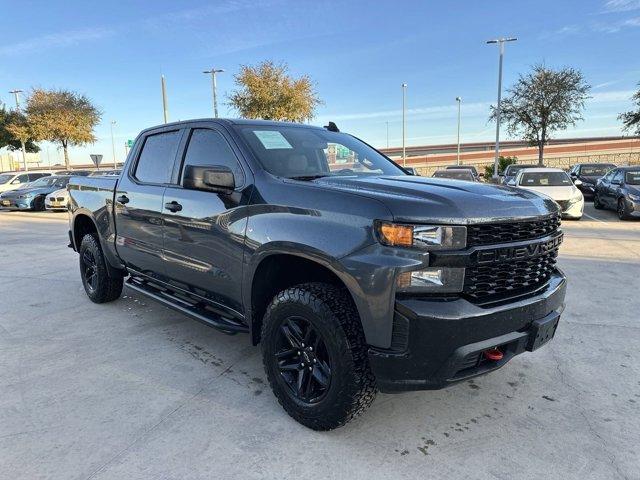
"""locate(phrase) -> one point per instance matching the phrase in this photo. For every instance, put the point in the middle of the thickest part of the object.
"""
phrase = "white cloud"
(612, 96)
(621, 5)
(55, 40)
(440, 111)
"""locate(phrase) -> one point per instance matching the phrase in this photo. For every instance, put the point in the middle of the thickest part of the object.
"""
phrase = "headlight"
(425, 237)
(443, 280)
(635, 198)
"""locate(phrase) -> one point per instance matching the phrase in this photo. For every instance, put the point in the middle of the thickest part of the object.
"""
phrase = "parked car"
(78, 173)
(471, 168)
(105, 173)
(588, 174)
(32, 196)
(339, 272)
(556, 184)
(14, 180)
(411, 171)
(57, 200)
(620, 190)
(456, 174)
(512, 170)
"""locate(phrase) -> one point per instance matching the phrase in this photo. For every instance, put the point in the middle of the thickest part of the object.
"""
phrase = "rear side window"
(155, 163)
(208, 147)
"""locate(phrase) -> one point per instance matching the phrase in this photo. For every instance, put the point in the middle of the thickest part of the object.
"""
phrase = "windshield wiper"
(308, 177)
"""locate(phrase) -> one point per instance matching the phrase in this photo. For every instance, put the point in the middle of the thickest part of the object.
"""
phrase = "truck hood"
(425, 199)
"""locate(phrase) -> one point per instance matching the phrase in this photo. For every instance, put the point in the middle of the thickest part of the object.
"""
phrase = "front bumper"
(443, 340)
(17, 204)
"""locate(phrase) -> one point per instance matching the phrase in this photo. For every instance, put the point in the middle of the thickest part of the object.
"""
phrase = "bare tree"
(631, 119)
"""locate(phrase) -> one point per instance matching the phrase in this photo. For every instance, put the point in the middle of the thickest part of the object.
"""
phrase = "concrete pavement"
(134, 390)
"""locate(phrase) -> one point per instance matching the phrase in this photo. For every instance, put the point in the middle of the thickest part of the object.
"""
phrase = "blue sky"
(357, 52)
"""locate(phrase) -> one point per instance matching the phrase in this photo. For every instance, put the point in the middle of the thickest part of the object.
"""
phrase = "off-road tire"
(597, 204)
(105, 288)
(330, 310)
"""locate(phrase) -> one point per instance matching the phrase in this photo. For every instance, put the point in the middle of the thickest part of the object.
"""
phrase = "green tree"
(62, 116)
(631, 119)
(503, 163)
(268, 92)
(12, 122)
(542, 102)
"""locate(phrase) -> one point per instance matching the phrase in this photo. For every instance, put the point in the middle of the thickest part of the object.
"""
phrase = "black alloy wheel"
(89, 270)
(597, 204)
(98, 284)
(622, 210)
(303, 360)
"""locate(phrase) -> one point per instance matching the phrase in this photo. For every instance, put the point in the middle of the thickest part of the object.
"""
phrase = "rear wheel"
(597, 204)
(315, 356)
(98, 285)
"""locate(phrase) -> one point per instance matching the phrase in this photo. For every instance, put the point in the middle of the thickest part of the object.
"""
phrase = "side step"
(192, 309)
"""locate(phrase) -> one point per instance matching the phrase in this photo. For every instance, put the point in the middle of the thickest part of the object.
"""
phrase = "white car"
(58, 200)
(554, 183)
(14, 180)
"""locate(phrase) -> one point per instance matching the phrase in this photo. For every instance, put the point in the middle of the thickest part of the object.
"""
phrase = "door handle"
(122, 199)
(173, 206)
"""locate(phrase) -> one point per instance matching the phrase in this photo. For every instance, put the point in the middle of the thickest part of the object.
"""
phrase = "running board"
(193, 310)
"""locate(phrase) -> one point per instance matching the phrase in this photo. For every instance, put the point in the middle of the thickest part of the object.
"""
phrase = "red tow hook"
(494, 354)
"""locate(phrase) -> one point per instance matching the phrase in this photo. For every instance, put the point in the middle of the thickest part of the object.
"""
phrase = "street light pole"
(459, 100)
(387, 133)
(500, 42)
(165, 107)
(16, 93)
(404, 151)
(214, 88)
(113, 145)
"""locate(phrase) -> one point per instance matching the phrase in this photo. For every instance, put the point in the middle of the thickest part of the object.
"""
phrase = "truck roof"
(233, 121)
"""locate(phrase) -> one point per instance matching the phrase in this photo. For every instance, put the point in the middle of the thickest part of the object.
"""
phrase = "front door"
(205, 231)
(138, 202)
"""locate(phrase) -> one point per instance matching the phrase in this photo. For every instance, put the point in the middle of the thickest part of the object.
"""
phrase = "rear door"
(613, 188)
(138, 201)
(205, 231)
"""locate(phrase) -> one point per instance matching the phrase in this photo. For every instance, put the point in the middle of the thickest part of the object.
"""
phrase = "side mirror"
(512, 182)
(213, 178)
(573, 174)
(577, 182)
(616, 182)
(16, 182)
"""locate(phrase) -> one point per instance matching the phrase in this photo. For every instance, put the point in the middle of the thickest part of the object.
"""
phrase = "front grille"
(52, 199)
(495, 233)
(60, 199)
(498, 281)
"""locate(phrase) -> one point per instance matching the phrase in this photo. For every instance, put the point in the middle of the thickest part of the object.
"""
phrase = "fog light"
(445, 280)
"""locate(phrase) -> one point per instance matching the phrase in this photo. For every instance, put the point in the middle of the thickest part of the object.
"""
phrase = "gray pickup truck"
(353, 276)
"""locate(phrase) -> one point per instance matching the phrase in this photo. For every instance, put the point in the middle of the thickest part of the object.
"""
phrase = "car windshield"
(455, 174)
(59, 182)
(307, 153)
(545, 179)
(6, 177)
(632, 177)
(595, 170)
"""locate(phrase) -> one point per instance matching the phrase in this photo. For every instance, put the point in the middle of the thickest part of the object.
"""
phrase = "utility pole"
(165, 107)
(387, 122)
(500, 42)
(404, 151)
(459, 100)
(214, 88)
(17, 92)
(113, 145)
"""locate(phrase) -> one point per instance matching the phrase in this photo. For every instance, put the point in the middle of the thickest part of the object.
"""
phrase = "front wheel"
(597, 204)
(315, 356)
(98, 285)
(622, 210)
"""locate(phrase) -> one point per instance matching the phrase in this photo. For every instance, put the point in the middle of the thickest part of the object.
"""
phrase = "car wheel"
(98, 285)
(622, 210)
(38, 204)
(597, 204)
(315, 356)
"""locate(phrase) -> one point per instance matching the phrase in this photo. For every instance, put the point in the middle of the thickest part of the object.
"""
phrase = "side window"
(617, 177)
(608, 176)
(208, 147)
(22, 178)
(155, 163)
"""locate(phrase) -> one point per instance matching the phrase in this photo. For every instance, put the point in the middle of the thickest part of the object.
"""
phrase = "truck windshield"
(633, 178)
(307, 153)
(545, 179)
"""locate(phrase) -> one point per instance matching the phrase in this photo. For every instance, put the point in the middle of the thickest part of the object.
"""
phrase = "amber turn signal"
(396, 235)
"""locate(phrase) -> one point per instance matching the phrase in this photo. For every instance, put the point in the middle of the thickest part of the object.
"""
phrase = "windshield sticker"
(272, 139)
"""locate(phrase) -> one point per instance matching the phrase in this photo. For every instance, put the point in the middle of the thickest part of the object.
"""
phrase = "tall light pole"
(500, 42)
(17, 93)
(387, 122)
(404, 151)
(459, 100)
(113, 145)
(214, 88)
(165, 107)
